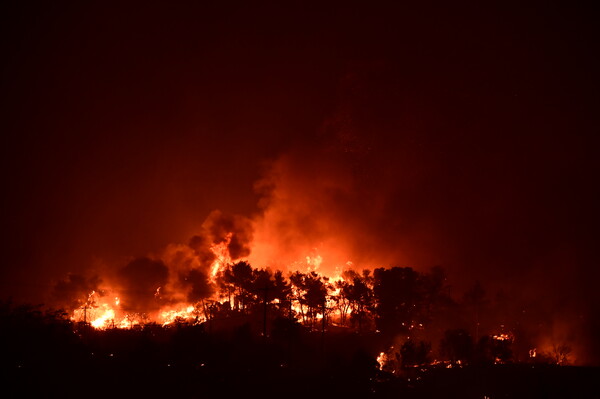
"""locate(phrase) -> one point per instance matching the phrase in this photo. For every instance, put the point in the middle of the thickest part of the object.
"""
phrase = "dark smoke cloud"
(139, 281)
(189, 270)
(194, 268)
(201, 244)
(199, 283)
(220, 227)
(177, 274)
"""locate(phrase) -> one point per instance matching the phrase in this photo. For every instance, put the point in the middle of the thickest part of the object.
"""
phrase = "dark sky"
(464, 136)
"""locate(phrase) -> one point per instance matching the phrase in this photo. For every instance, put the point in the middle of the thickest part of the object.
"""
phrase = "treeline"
(412, 313)
(395, 300)
(45, 352)
(409, 317)
(266, 332)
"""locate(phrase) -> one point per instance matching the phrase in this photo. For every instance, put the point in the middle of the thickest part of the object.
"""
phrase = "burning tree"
(397, 302)
(311, 293)
(359, 293)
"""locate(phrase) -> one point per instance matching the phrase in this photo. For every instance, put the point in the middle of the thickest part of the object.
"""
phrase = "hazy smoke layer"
(315, 212)
(380, 186)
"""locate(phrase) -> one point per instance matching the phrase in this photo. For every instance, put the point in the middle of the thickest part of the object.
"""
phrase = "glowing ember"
(381, 359)
(503, 337)
(533, 352)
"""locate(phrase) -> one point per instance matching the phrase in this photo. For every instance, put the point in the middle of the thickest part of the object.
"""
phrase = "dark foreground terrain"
(45, 356)
(126, 380)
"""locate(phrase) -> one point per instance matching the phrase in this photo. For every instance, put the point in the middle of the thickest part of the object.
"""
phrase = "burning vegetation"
(276, 295)
(411, 317)
(296, 293)
(183, 320)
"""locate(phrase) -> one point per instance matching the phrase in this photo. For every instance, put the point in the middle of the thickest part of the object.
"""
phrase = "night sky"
(464, 136)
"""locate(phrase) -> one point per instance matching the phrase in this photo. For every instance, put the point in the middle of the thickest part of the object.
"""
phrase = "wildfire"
(97, 311)
(314, 262)
(382, 360)
(104, 319)
(189, 313)
(197, 284)
(101, 313)
(222, 257)
(533, 352)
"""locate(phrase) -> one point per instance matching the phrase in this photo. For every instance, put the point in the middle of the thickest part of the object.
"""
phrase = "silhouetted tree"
(435, 292)
(311, 293)
(399, 299)
(457, 345)
(342, 303)
(237, 279)
(360, 296)
(297, 281)
(315, 295)
(282, 292)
